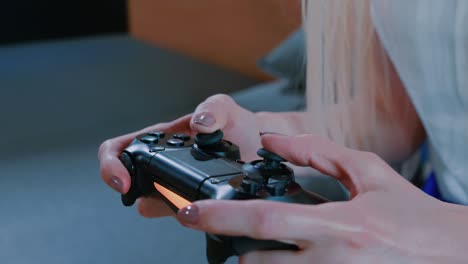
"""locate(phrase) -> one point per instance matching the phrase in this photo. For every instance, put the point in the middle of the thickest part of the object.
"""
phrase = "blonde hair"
(349, 76)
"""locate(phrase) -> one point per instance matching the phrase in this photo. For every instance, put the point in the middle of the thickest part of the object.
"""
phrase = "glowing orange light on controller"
(175, 199)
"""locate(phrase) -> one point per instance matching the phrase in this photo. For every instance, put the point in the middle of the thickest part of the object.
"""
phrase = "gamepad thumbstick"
(268, 155)
(204, 140)
(271, 160)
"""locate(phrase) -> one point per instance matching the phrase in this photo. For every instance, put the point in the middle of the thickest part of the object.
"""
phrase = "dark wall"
(27, 20)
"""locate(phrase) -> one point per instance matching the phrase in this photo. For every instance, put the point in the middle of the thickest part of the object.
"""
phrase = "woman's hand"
(388, 220)
(217, 112)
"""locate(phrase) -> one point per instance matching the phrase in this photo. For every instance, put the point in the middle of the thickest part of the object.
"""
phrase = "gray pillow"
(288, 61)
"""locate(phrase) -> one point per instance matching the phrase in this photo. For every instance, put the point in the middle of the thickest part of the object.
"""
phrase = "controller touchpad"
(210, 167)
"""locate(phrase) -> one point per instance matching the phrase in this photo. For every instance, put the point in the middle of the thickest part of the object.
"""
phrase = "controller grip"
(220, 248)
(130, 198)
(140, 185)
(132, 195)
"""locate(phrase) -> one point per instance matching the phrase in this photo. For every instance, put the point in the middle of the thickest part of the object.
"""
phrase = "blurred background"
(73, 74)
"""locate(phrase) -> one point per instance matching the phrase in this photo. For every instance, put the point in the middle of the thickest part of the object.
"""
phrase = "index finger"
(268, 220)
(358, 171)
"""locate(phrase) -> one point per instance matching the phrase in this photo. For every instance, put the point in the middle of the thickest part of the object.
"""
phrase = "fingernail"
(204, 119)
(188, 215)
(116, 184)
(264, 133)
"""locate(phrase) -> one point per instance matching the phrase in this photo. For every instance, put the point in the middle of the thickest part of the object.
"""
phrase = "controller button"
(218, 180)
(157, 149)
(149, 140)
(158, 134)
(173, 142)
(215, 181)
(183, 137)
(276, 190)
(209, 139)
(250, 186)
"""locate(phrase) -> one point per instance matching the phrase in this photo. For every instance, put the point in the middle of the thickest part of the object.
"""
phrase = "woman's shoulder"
(427, 42)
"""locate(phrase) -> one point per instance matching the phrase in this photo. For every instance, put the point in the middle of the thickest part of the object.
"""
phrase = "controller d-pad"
(149, 139)
(158, 134)
(174, 142)
(183, 137)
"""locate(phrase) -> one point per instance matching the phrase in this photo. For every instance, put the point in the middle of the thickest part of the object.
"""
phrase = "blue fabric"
(430, 186)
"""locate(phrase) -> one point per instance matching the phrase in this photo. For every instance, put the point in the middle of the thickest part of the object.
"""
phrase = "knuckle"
(222, 98)
(264, 222)
(305, 153)
(219, 104)
(205, 105)
(143, 210)
(104, 146)
(216, 101)
(374, 163)
(104, 173)
(373, 159)
(370, 156)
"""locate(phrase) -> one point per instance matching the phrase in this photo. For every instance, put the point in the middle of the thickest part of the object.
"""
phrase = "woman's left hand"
(387, 220)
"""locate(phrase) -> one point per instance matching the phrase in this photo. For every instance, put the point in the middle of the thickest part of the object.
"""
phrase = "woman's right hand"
(217, 112)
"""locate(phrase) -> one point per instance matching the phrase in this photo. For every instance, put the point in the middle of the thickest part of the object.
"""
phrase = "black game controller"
(185, 169)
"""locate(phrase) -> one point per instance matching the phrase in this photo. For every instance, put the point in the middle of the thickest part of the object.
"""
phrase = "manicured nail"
(188, 215)
(264, 133)
(116, 184)
(204, 119)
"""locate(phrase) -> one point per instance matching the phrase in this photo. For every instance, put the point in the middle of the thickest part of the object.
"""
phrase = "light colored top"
(427, 40)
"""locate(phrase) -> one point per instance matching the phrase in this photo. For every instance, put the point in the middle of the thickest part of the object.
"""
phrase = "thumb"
(358, 171)
(216, 112)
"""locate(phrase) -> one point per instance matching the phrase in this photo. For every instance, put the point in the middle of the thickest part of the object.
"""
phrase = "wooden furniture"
(230, 33)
